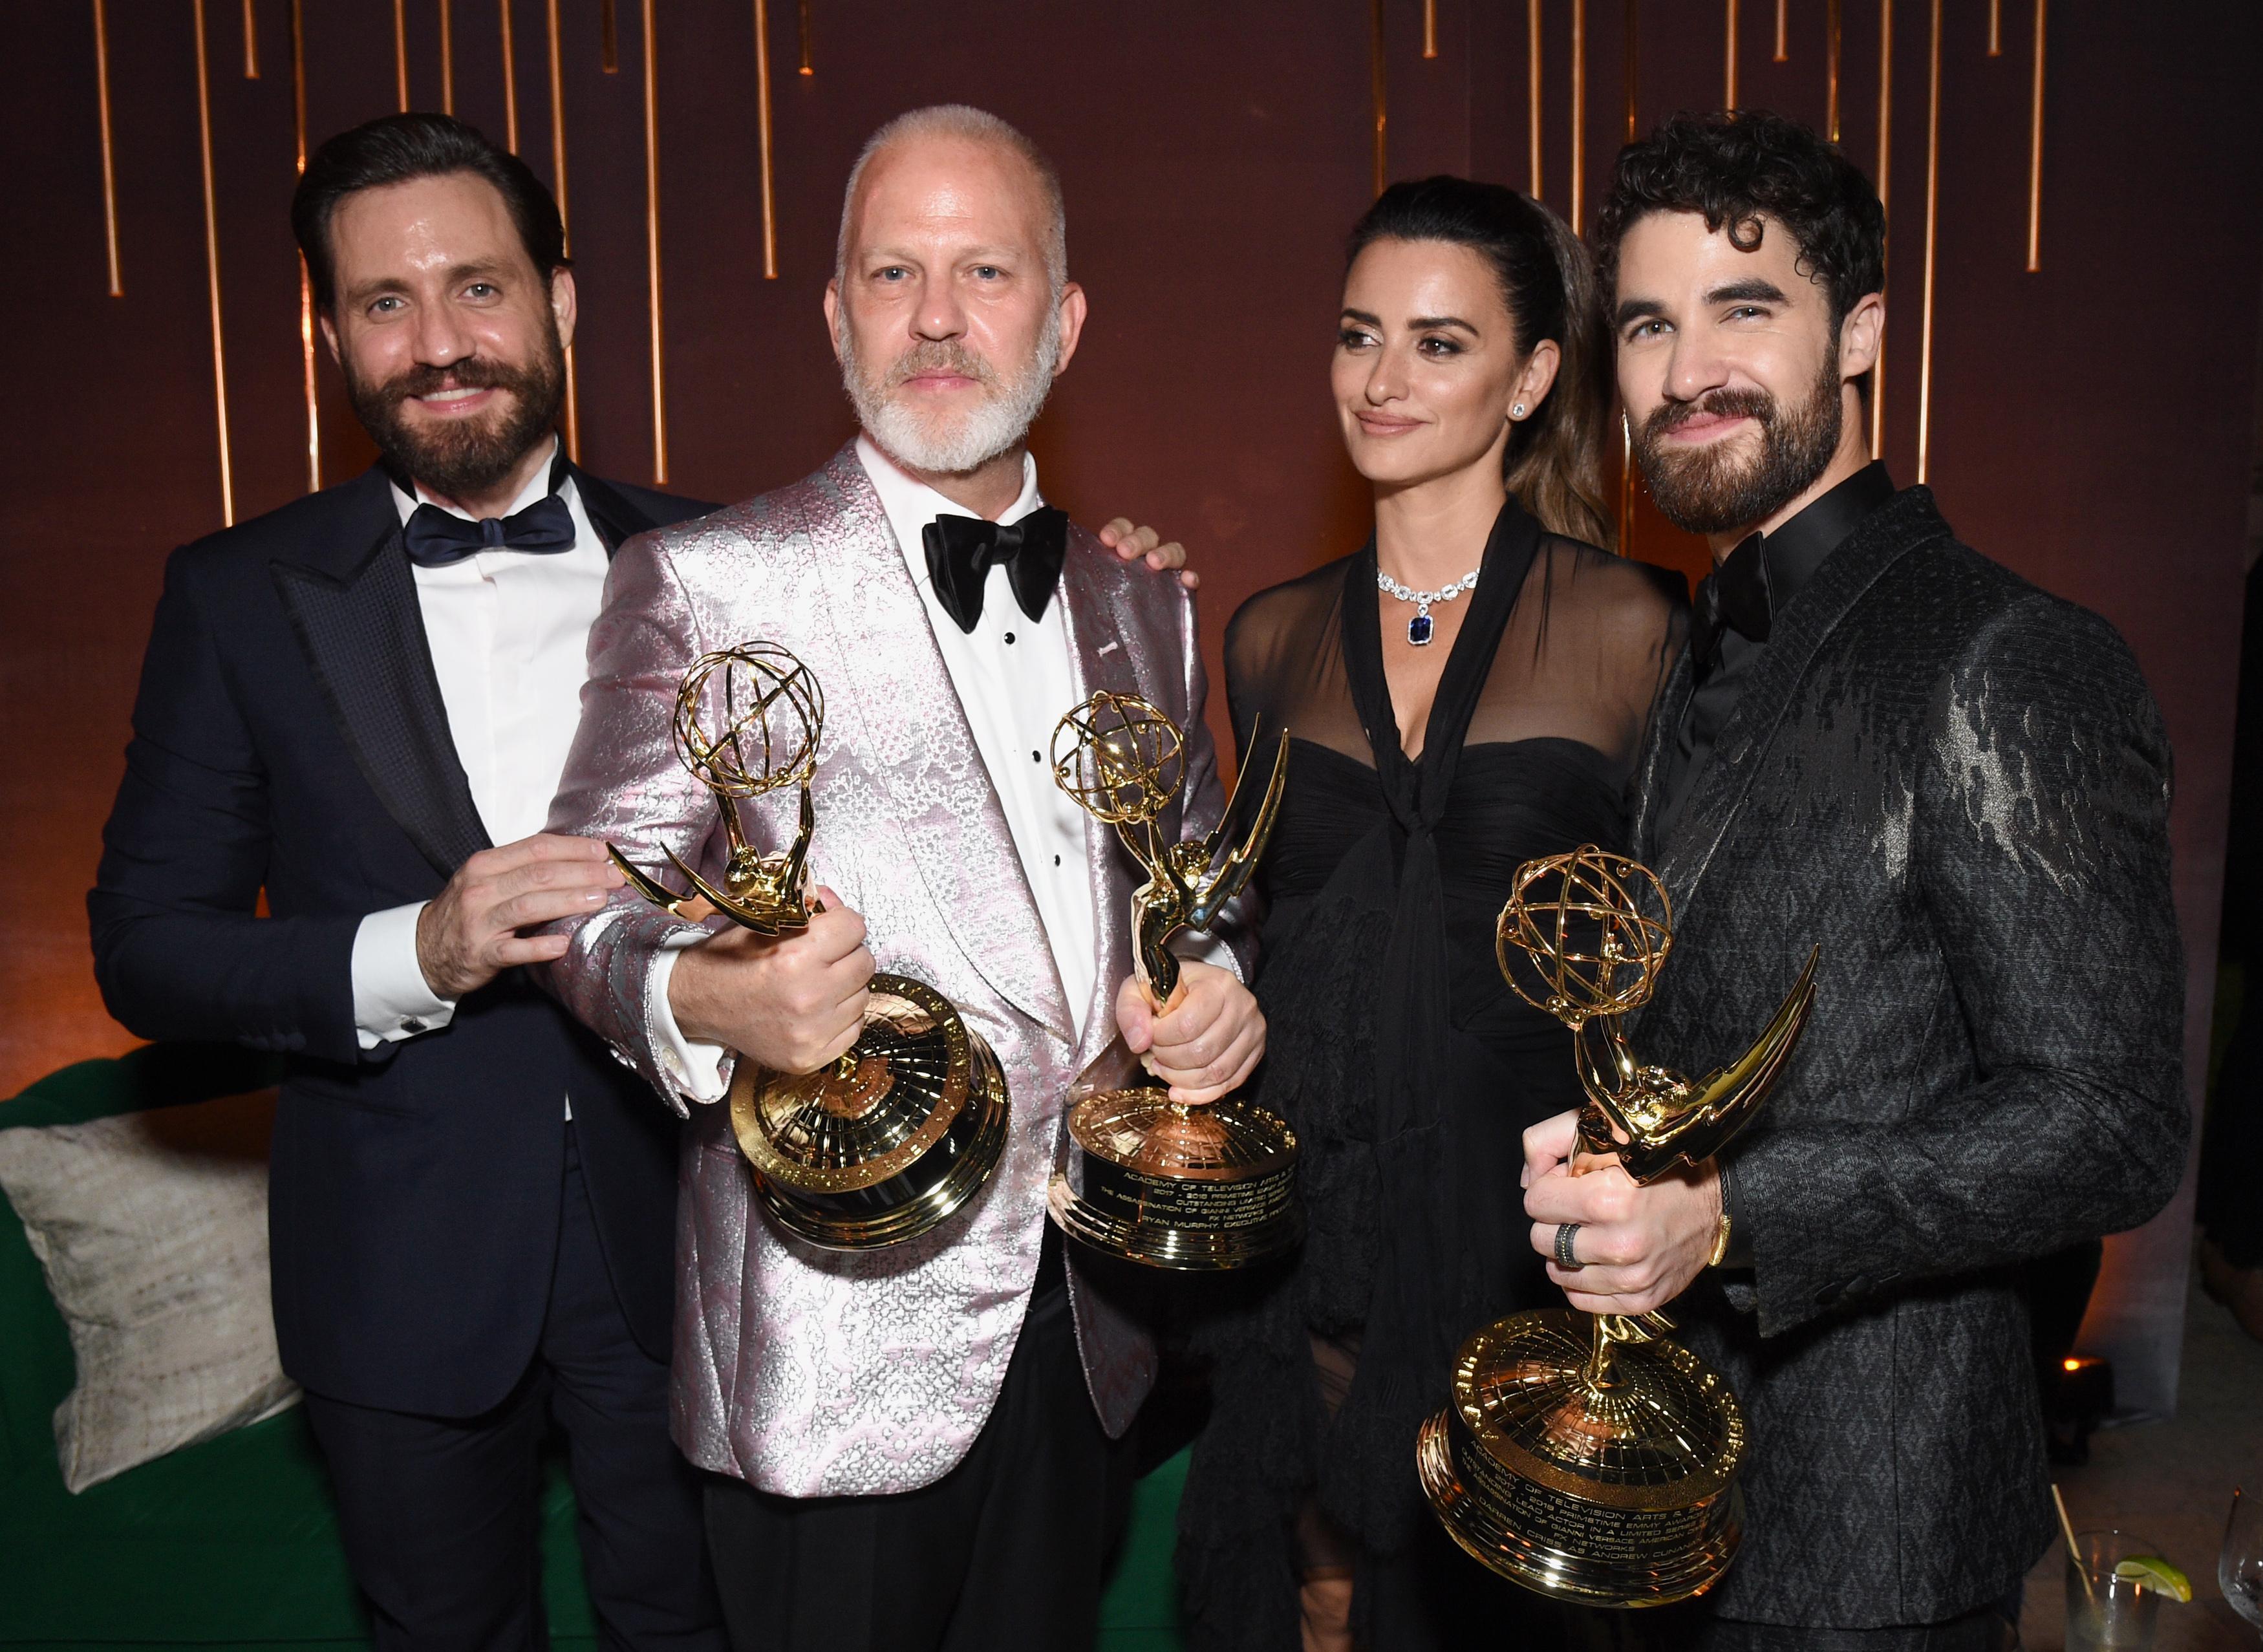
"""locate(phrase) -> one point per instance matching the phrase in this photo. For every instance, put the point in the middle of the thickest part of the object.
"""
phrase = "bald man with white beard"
(922, 1447)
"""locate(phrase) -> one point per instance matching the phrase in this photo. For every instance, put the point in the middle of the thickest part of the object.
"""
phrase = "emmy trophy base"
(887, 1142)
(1192, 1189)
(1619, 1498)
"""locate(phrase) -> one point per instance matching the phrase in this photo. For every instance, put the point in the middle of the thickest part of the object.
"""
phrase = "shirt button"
(1034, 757)
(1057, 861)
(1009, 636)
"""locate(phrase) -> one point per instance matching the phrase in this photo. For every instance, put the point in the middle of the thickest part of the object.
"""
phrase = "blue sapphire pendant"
(1418, 630)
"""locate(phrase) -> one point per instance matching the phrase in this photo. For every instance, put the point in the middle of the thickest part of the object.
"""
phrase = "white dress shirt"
(509, 633)
(1013, 681)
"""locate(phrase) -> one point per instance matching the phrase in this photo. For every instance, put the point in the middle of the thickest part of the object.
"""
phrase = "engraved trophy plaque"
(879, 1145)
(1585, 1456)
(1148, 1179)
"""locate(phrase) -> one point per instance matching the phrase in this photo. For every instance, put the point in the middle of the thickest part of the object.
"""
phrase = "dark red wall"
(2091, 423)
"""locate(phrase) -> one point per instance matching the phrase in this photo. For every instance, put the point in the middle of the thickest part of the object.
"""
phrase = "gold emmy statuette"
(884, 1143)
(1185, 1187)
(1597, 1462)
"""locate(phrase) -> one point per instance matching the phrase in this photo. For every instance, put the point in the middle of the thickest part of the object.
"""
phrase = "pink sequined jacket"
(807, 1372)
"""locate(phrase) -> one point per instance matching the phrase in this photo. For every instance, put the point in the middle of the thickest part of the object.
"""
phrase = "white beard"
(949, 444)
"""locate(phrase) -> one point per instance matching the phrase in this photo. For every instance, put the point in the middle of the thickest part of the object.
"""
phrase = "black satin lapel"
(365, 641)
(1799, 632)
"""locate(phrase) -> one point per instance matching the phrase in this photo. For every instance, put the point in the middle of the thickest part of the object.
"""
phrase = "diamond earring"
(1517, 412)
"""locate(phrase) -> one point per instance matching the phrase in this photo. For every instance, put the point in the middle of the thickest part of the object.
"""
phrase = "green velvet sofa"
(235, 1542)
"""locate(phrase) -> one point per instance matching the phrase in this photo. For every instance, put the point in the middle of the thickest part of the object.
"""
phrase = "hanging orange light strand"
(762, 134)
(211, 271)
(652, 245)
(109, 172)
(565, 223)
(306, 284)
(509, 81)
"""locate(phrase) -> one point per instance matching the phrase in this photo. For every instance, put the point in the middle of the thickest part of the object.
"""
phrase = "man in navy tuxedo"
(359, 705)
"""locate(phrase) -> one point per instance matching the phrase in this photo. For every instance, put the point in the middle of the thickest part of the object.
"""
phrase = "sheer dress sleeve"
(1284, 666)
(1585, 653)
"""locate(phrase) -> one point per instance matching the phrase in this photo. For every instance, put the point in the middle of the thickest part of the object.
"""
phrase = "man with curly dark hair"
(1881, 743)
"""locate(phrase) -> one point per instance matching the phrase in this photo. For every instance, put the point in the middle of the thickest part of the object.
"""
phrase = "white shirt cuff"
(1195, 947)
(390, 998)
(694, 1068)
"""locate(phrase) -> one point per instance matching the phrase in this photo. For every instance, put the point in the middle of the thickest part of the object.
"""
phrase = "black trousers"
(1984, 1630)
(441, 1515)
(1008, 1550)
(1691, 1627)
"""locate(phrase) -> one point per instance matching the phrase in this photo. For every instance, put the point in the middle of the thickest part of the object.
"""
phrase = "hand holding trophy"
(879, 1145)
(1150, 1180)
(1597, 1463)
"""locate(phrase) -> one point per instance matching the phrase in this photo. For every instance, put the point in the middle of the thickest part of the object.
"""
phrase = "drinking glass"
(2239, 1570)
(2103, 1610)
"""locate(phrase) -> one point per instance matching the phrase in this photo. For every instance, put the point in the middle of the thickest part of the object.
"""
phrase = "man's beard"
(463, 458)
(1711, 489)
(946, 444)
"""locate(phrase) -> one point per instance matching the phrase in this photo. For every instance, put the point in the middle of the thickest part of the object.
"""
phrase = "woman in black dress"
(1469, 690)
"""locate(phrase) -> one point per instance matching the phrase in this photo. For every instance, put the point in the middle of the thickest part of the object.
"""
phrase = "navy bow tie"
(1736, 598)
(962, 550)
(437, 538)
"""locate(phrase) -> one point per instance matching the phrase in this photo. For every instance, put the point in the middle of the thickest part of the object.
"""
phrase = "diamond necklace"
(1419, 629)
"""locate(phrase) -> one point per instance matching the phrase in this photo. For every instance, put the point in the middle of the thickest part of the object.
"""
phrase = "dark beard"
(474, 457)
(1710, 490)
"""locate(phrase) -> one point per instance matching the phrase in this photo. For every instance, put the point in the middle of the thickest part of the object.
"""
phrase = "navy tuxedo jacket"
(290, 736)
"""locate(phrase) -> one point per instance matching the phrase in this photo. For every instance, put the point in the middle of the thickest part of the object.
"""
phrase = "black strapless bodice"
(1508, 803)
(1332, 883)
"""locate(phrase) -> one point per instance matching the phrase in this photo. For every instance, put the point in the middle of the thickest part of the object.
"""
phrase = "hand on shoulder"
(1141, 543)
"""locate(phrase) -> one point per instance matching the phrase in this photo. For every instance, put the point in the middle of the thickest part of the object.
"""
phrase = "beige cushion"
(152, 1228)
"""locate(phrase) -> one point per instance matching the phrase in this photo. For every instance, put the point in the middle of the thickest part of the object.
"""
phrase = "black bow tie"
(962, 550)
(1735, 598)
(437, 538)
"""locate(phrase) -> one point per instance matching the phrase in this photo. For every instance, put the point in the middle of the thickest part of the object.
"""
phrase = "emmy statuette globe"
(881, 1145)
(1150, 1180)
(1586, 1457)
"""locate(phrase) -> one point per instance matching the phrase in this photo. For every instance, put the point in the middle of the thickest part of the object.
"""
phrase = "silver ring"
(1565, 1234)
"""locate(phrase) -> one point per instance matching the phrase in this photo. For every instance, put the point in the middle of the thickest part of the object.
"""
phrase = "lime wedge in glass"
(2151, 1571)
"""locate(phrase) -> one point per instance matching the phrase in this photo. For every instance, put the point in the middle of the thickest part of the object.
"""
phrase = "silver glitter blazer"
(807, 1372)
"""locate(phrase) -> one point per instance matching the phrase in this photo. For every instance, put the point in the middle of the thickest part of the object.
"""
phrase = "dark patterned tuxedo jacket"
(1957, 785)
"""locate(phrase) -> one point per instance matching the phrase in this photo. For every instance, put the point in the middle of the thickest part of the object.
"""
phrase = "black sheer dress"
(1406, 1066)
